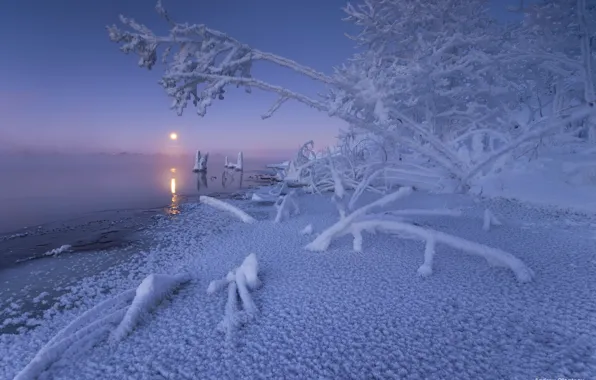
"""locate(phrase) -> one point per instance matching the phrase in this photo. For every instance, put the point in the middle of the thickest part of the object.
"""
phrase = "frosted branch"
(489, 220)
(224, 206)
(286, 206)
(96, 323)
(493, 256)
(321, 243)
(239, 282)
(148, 295)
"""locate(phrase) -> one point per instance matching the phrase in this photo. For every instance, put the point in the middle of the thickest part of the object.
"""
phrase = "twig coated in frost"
(239, 282)
(426, 269)
(96, 323)
(321, 243)
(490, 220)
(286, 206)
(152, 290)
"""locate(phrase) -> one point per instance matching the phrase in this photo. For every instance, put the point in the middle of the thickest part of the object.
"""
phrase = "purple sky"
(65, 86)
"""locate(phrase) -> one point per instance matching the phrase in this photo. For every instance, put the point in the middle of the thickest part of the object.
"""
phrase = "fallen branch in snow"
(490, 220)
(321, 243)
(149, 294)
(94, 325)
(90, 334)
(239, 282)
(224, 206)
(493, 256)
(286, 206)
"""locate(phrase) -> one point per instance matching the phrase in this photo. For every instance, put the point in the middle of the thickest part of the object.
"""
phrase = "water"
(97, 202)
(36, 190)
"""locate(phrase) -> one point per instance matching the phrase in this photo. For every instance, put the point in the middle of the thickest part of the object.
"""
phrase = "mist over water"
(37, 189)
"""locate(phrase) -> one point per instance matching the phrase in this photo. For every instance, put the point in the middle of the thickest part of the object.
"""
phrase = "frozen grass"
(345, 314)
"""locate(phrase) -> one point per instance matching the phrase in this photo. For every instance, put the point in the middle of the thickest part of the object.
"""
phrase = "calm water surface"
(40, 189)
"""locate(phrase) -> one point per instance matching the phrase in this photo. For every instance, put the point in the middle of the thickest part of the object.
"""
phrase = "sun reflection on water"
(173, 208)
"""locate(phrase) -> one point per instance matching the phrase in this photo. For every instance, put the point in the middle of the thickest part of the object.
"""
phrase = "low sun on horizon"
(173, 136)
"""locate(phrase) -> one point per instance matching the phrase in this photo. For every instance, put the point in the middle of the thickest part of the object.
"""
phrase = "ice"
(59, 250)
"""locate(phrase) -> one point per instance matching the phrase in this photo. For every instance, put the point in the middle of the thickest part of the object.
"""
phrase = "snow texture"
(221, 205)
(343, 315)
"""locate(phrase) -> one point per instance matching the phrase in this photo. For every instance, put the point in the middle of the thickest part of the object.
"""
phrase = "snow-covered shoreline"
(343, 314)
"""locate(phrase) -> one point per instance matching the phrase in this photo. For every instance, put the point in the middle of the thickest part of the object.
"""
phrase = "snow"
(561, 180)
(342, 314)
(59, 250)
(200, 162)
(286, 207)
(426, 269)
(149, 294)
(239, 165)
(457, 106)
(490, 220)
(221, 205)
(307, 230)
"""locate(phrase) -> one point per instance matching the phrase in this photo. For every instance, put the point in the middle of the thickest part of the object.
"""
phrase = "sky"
(67, 87)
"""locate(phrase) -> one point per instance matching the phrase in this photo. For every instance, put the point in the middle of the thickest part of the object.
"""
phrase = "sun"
(173, 136)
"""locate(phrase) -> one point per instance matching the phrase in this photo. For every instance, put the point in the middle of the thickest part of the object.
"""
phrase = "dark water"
(99, 202)
(40, 189)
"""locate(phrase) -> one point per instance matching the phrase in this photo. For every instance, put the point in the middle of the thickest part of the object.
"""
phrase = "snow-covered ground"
(557, 178)
(337, 314)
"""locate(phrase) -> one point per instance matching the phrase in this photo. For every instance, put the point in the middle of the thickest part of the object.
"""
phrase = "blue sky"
(65, 86)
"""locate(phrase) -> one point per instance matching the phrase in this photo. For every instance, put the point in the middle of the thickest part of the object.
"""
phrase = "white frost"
(59, 250)
(307, 230)
(239, 282)
(149, 294)
(489, 220)
(224, 206)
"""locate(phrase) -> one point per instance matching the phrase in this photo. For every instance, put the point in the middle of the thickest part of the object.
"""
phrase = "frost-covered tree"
(425, 84)
(557, 40)
(427, 78)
